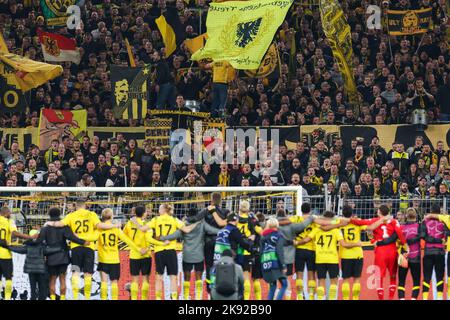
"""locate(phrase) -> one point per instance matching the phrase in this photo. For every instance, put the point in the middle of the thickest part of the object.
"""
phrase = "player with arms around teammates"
(85, 225)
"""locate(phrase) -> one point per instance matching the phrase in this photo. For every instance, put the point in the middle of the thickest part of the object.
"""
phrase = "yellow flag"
(338, 33)
(130, 53)
(240, 32)
(195, 44)
(167, 34)
(29, 74)
(268, 64)
(3, 47)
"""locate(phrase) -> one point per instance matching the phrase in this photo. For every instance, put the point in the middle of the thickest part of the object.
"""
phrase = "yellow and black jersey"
(326, 245)
(162, 226)
(7, 227)
(351, 234)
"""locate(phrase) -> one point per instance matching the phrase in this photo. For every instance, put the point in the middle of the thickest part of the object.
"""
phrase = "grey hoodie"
(290, 232)
(193, 242)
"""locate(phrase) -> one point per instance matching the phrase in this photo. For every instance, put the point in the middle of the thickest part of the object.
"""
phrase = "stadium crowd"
(393, 76)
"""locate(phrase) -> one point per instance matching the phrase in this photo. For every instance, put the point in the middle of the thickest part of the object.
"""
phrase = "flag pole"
(389, 37)
(420, 43)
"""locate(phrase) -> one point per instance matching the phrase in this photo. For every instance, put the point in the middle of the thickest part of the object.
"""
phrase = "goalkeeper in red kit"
(386, 232)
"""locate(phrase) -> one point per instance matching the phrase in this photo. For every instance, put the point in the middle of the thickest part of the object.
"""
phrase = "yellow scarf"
(224, 180)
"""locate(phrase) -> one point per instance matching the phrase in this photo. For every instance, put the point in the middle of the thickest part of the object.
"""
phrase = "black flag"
(11, 97)
(131, 88)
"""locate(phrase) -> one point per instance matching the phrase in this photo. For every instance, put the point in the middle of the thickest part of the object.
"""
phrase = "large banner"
(289, 136)
(240, 32)
(53, 124)
(408, 22)
(388, 134)
(338, 33)
(130, 91)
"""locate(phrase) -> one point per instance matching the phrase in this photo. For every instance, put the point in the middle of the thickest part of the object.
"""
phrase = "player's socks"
(440, 289)
(392, 289)
(52, 297)
(114, 291)
(332, 293)
(426, 288)
(288, 295)
(448, 288)
(345, 291)
(62, 297)
(186, 289)
(356, 290)
(320, 293)
(134, 288)
(401, 293)
(104, 290)
(87, 287)
(75, 287)
(257, 289)
(8, 289)
(299, 286)
(158, 295)
(415, 292)
(174, 296)
(311, 289)
(380, 293)
(198, 289)
(144, 290)
(247, 290)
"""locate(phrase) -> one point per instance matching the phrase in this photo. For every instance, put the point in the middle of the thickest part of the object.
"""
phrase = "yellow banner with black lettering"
(240, 32)
(388, 134)
(338, 33)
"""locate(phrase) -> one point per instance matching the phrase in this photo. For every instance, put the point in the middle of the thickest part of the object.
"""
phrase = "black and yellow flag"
(12, 98)
(130, 91)
(18, 75)
(338, 33)
(195, 44)
(55, 11)
(171, 30)
(268, 65)
(406, 22)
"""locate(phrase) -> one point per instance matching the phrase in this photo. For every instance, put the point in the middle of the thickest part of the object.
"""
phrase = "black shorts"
(251, 264)
(6, 269)
(331, 268)
(351, 268)
(83, 258)
(198, 267)
(257, 268)
(290, 269)
(448, 264)
(111, 269)
(305, 257)
(57, 270)
(140, 266)
(166, 259)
